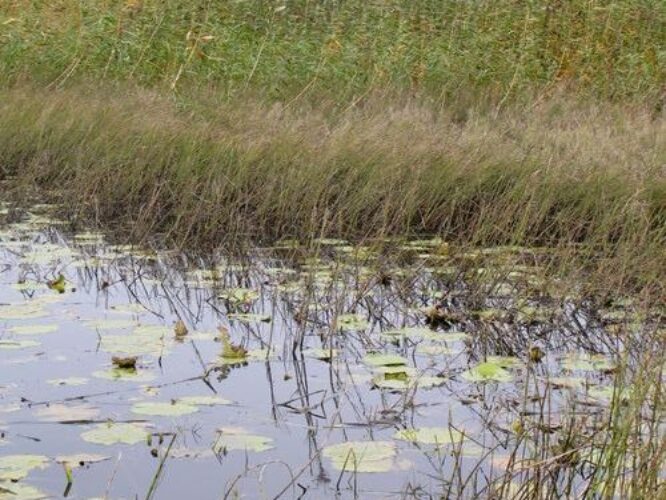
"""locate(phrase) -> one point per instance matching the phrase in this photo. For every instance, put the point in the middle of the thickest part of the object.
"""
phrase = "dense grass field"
(502, 122)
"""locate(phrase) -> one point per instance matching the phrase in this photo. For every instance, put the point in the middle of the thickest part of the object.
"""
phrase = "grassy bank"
(559, 173)
(536, 123)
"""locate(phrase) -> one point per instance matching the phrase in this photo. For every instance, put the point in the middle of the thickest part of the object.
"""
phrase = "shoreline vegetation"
(487, 123)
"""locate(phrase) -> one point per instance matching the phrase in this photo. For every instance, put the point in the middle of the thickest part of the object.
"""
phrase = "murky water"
(250, 373)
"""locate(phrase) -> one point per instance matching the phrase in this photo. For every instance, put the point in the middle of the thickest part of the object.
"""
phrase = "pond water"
(399, 370)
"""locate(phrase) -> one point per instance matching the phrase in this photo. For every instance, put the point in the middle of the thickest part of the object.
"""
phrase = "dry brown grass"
(557, 173)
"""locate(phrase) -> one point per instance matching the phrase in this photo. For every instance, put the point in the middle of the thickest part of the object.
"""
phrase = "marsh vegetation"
(306, 249)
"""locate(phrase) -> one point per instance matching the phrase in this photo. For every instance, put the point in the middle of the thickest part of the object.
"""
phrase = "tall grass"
(561, 173)
(497, 49)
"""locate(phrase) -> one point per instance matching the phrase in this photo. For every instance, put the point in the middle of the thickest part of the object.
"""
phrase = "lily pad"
(17, 344)
(73, 381)
(125, 374)
(33, 329)
(22, 311)
(439, 436)
(362, 456)
(65, 414)
(164, 409)
(204, 400)
(111, 433)
(352, 322)
(80, 459)
(320, 354)
(487, 372)
(586, 363)
(250, 318)
(377, 359)
(234, 438)
(20, 491)
(17, 467)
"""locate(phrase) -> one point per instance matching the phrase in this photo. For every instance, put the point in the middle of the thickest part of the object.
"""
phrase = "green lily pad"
(439, 436)
(33, 329)
(124, 374)
(65, 413)
(80, 459)
(320, 354)
(111, 433)
(20, 491)
(377, 359)
(250, 318)
(239, 295)
(204, 400)
(22, 311)
(164, 409)
(110, 324)
(487, 372)
(17, 467)
(17, 344)
(362, 456)
(352, 322)
(586, 363)
(234, 438)
(73, 381)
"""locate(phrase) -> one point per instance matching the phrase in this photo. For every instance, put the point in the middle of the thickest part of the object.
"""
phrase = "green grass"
(492, 49)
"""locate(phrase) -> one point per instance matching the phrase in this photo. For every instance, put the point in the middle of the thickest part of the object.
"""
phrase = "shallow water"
(281, 408)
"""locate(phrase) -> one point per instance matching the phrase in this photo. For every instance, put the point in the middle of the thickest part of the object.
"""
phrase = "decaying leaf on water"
(126, 363)
(231, 351)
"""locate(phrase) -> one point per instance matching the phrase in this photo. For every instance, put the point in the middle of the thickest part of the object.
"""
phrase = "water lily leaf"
(439, 436)
(80, 459)
(351, 322)
(487, 372)
(239, 295)
(362, 456)
(234, 438)
(566, 382)
(433, 350)
(111, 433)
(73, 381)
(110, 324)
(164, 409)
(204, 400)
(33, 329)
(64, 413)
(250, 318)
(17, 344)
(606, 393)
(446, 337)
(586, 363)
(125, 374)
(377, 359)
(133, 344)
(22, 311)
(28, 286)
(320, 354)
(20, 491)
(17, 467)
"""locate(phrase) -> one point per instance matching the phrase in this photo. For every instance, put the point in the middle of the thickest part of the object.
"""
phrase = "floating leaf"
(169, 409)
(377, 359)
(110, 324)
(582, 362)
(20, 491)
(439, 436)
(351, 322)
(362, 456)
(17, 344)
(203, 400)
(234, 438)
(64, 413)
(22, 311)
(239, 295)
(250, 318)
(33, 329)
(73, 381)
(487, 372)
(111, 433)
(320, 354)
(17, 467)
(80, 459)
(125, 374)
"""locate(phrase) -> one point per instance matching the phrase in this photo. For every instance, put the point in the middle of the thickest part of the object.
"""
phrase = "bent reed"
(560, 173)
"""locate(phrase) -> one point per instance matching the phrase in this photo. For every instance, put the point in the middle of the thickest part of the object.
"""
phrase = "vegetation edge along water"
(536, 123)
